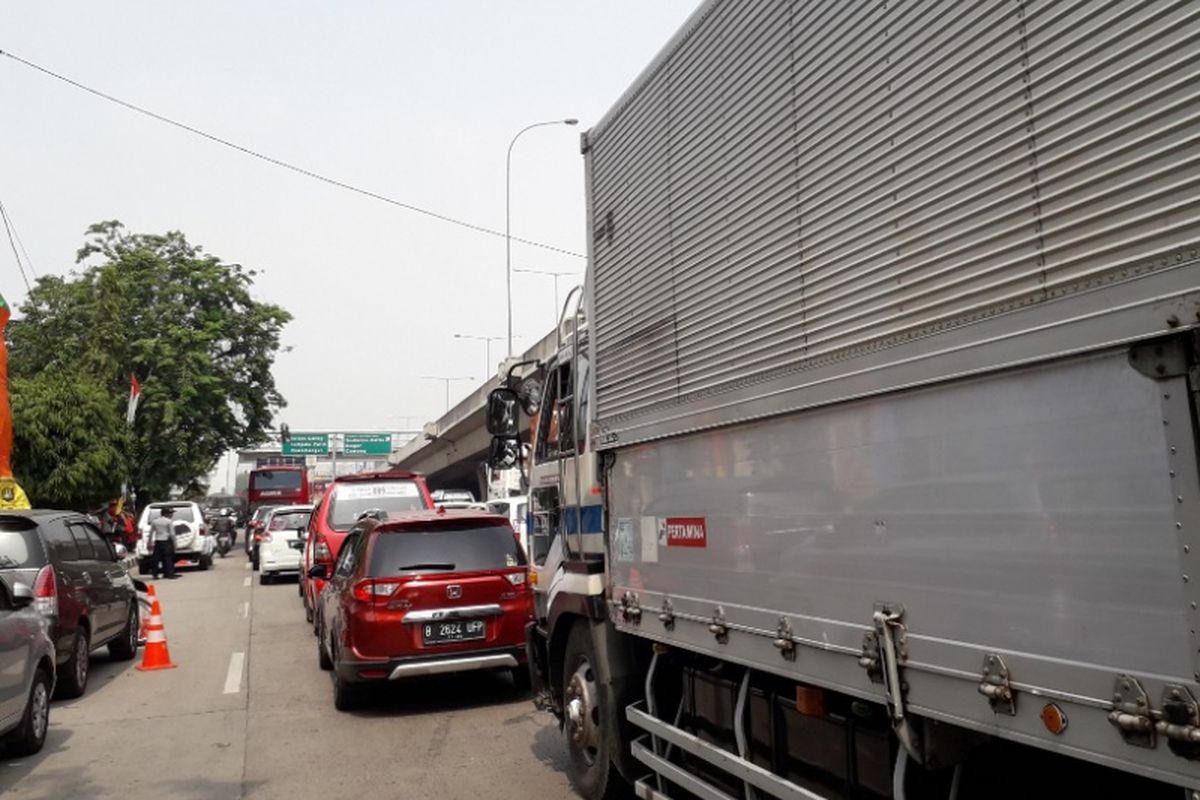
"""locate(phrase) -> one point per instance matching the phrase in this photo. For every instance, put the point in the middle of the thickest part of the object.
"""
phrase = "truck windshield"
(351, 499)
(446, 548)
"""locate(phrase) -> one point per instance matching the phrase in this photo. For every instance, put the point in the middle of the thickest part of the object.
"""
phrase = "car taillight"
(45, 592)
(321, 551)
(516, 579)
(204, 530)
(370, 590)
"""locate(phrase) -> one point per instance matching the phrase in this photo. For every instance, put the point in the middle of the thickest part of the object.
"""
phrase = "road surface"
(247, 714)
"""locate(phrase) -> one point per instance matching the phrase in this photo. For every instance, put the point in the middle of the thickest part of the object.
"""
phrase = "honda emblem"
(454, 592)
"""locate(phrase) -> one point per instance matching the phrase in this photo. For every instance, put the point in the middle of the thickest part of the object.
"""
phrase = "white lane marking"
(233, 678)
(245, 610)
(247, 581)
(247, 565)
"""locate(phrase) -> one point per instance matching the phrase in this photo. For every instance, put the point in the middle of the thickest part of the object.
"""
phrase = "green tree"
(70, 451)
(184, 322)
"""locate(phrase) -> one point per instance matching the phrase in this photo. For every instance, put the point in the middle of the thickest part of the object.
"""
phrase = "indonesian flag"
(135, 394)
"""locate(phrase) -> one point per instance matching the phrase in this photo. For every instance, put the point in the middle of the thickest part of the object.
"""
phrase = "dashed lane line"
(233, 678)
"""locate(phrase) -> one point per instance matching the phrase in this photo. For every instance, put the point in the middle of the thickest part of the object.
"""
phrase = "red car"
(346, 499)
(424, 593)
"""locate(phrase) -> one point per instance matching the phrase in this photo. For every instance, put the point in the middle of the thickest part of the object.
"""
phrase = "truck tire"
(589, 765)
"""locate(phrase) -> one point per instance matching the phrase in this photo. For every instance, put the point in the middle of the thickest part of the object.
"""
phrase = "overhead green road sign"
(367, 444)
(307, 444)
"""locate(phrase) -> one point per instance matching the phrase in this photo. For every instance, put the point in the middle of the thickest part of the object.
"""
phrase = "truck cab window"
(556, 424)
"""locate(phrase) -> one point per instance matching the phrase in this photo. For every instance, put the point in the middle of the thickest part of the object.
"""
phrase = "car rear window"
(351, 499)
(445, 548)
(290, 521)
(182, 513)
(19, 545)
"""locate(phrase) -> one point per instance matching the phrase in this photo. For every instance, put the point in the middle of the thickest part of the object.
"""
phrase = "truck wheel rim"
(582, 713)
(41, 709)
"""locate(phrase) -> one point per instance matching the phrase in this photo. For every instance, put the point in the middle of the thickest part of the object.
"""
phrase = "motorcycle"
(224, 526)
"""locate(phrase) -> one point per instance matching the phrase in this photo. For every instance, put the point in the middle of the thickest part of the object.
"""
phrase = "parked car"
(282, 543)
(423, 593)
(254, 531)
(79, 583)
(192, 542)
(347, 499)
(516, 509)
(26, 664)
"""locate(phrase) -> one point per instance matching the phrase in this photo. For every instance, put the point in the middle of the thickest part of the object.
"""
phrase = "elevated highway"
(451, 450)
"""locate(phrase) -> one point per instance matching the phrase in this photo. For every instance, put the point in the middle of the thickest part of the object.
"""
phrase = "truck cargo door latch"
(631, 610)
(1180, 722)
(784, 641)
(1131, 712)
(995, 686)
(667, 615)
(718, 627)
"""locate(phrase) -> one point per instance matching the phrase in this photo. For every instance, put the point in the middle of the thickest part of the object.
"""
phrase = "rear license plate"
(457, 631)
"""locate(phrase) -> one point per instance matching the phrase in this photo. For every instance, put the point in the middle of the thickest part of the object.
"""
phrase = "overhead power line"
(17, 235)
(8, 229)
(284, 164)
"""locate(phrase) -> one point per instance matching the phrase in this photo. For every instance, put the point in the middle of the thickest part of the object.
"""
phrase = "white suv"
(192, 541)
(282, 542)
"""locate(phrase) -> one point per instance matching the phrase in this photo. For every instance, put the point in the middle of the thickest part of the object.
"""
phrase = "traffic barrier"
(155, 654)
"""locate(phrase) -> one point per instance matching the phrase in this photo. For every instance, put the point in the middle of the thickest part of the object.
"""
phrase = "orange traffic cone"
(155, 654)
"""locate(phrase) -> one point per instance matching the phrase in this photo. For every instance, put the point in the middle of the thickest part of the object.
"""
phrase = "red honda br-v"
(422, 593)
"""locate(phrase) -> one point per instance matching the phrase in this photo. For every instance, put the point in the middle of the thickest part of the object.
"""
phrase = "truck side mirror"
(504, 453)
(502, 413)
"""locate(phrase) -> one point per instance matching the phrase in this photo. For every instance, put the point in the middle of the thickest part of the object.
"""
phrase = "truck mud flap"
(537, 660)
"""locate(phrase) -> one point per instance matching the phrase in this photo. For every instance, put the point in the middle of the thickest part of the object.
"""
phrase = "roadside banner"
(12, 496)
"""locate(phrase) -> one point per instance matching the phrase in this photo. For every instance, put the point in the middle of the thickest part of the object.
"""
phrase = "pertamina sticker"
(686, 532)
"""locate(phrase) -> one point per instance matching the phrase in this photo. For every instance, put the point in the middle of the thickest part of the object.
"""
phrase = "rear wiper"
(441, 565)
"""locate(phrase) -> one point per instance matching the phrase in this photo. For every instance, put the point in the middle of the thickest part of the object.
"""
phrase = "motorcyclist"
(224, 522)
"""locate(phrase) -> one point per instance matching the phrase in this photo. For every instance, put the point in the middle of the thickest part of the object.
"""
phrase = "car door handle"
(87, 577)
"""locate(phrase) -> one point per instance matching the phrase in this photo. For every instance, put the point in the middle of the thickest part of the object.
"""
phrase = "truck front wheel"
(584, 715)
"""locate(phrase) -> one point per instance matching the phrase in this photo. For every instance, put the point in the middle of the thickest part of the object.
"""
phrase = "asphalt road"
(210, 730)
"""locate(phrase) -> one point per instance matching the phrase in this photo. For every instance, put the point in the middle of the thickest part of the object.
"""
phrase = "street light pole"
(556, 276)
(446, 380)
(487, 340)
(508, 217)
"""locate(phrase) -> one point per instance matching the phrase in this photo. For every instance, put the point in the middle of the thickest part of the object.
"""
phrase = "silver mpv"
(26, 671)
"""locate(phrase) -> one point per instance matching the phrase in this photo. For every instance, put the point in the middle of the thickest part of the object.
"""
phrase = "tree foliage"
(71, 441)
(184, 322)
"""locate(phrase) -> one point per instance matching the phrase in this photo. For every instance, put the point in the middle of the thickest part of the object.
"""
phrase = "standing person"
(162, 540)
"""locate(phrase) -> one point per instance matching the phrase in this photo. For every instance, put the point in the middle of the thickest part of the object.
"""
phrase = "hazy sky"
(414, 100)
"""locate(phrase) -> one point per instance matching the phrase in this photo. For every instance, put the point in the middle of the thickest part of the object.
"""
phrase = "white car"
(282, 544)
(192, 542)
(515, 508)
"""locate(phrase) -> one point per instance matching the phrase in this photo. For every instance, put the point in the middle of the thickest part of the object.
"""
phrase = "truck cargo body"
(1030, 514)
(891, 327)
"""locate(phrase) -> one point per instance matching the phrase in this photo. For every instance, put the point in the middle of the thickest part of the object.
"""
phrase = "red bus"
(277, 486)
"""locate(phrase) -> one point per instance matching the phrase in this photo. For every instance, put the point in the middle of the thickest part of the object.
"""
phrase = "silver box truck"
(868, 464)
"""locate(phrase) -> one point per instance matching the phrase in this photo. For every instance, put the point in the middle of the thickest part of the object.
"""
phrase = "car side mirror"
(503, 413)
(22, 595)
(318, 571)
(120, 551)
(504, 452)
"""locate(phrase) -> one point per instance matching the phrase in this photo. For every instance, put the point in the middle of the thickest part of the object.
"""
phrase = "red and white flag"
(135, 394)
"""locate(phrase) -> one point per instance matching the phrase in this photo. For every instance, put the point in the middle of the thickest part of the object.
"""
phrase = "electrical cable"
(17, 235)
(284, 164)
(13, 245)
